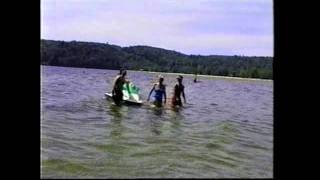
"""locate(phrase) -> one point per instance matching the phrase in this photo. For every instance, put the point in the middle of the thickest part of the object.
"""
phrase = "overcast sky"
(206, 27)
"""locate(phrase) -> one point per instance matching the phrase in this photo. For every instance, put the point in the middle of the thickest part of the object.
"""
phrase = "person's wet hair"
(121, 71)
(180, 78)
(124, 72)
(161, 78)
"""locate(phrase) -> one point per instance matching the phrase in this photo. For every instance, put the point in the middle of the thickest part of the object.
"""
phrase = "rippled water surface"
(225, 130)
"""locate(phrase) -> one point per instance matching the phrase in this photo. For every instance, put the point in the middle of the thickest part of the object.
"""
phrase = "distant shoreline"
(202, 75)
(147, 58)
(155, 72)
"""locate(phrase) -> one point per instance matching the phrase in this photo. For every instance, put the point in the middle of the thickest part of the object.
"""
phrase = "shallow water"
(224, 131)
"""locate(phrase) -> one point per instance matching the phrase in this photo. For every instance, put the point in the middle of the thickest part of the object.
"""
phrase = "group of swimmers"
(160, 95)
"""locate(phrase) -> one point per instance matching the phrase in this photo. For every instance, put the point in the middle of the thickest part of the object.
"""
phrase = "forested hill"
(105, 56)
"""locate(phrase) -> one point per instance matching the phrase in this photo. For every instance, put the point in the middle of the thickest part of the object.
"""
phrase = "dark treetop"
(105, 56)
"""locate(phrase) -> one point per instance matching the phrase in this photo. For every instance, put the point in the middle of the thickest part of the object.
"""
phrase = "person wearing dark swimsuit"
(160, 91)
(178, 91)
(119, 81)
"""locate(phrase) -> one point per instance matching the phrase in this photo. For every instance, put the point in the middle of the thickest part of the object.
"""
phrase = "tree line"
(106, 56)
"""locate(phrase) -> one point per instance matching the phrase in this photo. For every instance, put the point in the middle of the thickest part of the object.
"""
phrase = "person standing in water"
(118, 83)
(178, 91)
(160, 90)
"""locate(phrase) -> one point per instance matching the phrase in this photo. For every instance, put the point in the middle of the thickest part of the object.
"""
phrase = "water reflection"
(158, 111)
(169, 117)
(155, 126)
(118, 114)
(116, 111)
(175, 113)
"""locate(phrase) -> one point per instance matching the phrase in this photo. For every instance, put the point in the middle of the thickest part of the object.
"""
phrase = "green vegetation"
(105, 56)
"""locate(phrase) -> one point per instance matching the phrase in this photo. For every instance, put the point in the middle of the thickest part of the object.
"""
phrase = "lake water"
(224, 131)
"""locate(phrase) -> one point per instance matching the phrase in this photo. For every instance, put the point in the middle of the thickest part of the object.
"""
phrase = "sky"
(199, 27)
